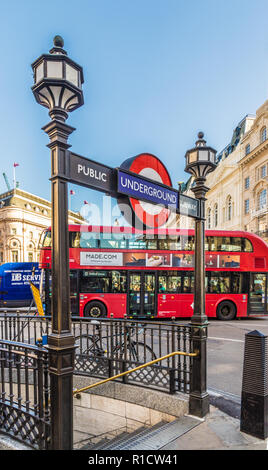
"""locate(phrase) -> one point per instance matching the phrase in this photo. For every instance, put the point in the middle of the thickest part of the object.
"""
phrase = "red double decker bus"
(118, 271)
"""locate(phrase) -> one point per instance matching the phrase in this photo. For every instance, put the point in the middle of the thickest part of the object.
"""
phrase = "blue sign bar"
(145, 189)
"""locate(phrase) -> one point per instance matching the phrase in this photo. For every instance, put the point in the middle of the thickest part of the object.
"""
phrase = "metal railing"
(141, 353)
(24, 393)
(123, 374)
(107, 347)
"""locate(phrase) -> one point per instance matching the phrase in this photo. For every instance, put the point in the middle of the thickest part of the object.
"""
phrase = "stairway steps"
(102, 444)
(153, 438)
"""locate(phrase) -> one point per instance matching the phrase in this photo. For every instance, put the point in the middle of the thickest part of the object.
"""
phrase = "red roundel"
(149, 166)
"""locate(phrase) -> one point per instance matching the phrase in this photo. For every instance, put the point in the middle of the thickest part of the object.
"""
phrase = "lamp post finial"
(58, 41)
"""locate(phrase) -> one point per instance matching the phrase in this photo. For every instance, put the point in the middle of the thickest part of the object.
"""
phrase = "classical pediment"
(221, 172)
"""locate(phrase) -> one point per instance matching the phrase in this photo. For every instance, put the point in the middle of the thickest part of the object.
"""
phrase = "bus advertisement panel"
(15, 280)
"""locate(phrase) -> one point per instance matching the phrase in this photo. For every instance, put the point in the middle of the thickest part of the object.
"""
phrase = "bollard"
(254, 399)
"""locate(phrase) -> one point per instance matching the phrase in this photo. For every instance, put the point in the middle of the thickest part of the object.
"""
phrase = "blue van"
(15, 289)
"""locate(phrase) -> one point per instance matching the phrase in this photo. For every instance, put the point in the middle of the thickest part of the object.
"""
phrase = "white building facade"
(23, 218)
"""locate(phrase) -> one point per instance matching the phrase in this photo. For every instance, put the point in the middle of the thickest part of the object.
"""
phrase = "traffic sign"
(188, 206)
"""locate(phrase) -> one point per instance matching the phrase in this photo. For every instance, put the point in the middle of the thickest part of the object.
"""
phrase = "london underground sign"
(141, 182)
(149, 200)
(143, 188)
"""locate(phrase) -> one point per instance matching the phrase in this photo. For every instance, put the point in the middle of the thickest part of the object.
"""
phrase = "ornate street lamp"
(199, 162)
(58, 86)
(58, 82)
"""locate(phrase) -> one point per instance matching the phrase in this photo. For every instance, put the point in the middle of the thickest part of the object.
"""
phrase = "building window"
(262, 199)
(246, 206)
(31, 235)
(15, 256)
(263, 134)
(247, 182)
(216, 215)
(247, 151)
(30, 257)
(1, 257)
(209, 218)
(14, 231)
(229, 208)
(263, 171)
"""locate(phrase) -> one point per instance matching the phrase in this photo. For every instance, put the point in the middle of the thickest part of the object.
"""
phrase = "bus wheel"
(226, 310)
(95, 309)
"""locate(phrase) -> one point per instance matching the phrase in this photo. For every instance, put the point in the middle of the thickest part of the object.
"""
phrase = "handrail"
(176, 353)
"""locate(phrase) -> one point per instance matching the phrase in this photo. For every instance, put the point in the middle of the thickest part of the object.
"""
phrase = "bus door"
(74, 297)
(142, 294)
(258, 293)
(149, 298)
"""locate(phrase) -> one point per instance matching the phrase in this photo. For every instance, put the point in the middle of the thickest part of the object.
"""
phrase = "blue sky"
(156, 72)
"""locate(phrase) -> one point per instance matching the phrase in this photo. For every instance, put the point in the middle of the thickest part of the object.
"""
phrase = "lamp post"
(199, 162)
(58, 86)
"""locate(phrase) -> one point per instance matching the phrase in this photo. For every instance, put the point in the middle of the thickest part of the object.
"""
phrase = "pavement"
(217, 431)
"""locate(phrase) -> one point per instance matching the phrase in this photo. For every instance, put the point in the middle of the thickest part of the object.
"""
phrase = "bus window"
(119, 282)
(95, 281)
(235, 244)
(236, 283)
(247, 245)
(219, 284)
(47, 240)
(187, 243)
(174, 284)
(210, 244)
(113, 240)
(227, 244)
(137, 243)
(162, 283)
(175, 242)
(151, 244)
(163, 244)
(188, 284)
(74, 239)
(88, 241)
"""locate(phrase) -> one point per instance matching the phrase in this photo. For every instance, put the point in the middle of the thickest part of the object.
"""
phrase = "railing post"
(172, 387)
(199, 398)
(110, 367)
(124, 369)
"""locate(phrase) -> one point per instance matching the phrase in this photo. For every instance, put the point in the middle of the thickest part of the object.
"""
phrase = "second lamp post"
(200, 161)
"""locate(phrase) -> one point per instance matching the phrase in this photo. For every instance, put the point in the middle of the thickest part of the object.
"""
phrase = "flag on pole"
(14, 175)
(85, 202)
(72, 193)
